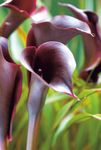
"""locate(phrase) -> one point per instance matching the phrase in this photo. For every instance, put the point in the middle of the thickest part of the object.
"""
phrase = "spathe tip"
(92, 34)
(74, 96)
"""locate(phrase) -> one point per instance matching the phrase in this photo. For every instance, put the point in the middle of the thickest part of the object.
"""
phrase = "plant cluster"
(47, 59)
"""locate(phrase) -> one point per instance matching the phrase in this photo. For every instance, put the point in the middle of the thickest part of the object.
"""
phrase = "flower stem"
(33, 129)
(3, 144)
(37, 95)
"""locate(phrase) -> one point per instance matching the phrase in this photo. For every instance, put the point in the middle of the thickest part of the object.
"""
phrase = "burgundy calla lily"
(92, 45)
(19, 11)
(10, 91)
(60, 28)
(50, 65)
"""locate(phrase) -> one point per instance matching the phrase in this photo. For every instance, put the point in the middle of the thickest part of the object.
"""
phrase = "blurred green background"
(65, 124)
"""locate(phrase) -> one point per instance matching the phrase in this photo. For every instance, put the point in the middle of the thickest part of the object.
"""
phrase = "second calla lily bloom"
(19, 11)
(92, 45)
(61, 28)
(50, 65)
(10, 91)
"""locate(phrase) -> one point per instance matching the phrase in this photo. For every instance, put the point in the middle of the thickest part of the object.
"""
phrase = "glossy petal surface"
(28, 5)
(60, 28)
(19, 11)
(10, 90)
(92, 45)
(53, 64)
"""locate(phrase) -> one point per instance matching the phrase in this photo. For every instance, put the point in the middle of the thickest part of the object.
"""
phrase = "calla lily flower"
(92, 45)
(19, 11)
(10, 91)
(50, 65)
(61, 28)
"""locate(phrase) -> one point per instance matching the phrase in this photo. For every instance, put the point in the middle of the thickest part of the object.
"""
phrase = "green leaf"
(67, 122)
(96, 116)
(64, 110)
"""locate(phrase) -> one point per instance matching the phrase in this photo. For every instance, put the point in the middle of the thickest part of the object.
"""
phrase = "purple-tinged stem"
(37, 96)
(33, 130)
(3, 144)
